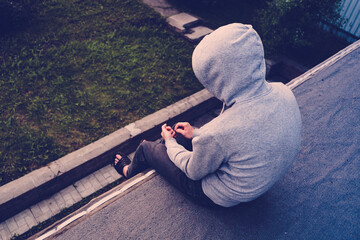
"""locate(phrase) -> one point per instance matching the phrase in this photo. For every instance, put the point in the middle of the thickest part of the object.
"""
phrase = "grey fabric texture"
(240, 154)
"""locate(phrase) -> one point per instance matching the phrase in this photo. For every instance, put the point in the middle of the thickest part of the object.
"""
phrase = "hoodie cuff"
(170, 141)
(196, 132)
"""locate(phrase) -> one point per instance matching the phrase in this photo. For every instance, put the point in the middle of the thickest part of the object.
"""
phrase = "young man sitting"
(240, 154)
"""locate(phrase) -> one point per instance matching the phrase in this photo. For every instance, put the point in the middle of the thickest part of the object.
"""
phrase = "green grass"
(81, 70)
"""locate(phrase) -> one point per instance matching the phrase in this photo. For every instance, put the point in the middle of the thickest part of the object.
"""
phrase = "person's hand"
(185, 129)
(167, 132)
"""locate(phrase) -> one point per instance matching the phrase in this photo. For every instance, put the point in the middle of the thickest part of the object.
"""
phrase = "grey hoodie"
(241, 153)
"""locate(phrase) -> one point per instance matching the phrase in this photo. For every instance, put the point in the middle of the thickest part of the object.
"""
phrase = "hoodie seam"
(256, 96)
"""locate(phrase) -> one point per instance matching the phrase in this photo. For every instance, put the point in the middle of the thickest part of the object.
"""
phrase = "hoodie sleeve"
(205, 158)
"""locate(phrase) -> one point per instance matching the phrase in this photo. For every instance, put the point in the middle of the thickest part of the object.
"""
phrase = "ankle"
(125, 169)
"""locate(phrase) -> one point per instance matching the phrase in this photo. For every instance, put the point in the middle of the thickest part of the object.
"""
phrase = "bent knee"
(150, 148)
(145, 145)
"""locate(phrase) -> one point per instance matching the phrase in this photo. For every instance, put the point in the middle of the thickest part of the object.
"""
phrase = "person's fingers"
(180, 125)
(164, 127)
(180, 130)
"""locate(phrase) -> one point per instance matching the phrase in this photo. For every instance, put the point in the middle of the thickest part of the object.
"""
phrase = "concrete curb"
(41, 183)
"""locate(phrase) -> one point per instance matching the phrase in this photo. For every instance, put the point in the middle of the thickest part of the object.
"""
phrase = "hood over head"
(230, 63)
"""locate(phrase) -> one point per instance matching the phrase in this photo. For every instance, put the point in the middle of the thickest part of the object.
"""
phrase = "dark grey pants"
(154, 155)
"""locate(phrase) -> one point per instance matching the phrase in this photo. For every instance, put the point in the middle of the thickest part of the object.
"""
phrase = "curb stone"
(188, 25)
(182, 21)
(197, 33)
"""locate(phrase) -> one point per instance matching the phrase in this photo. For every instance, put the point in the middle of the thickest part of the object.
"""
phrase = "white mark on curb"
(133, 129)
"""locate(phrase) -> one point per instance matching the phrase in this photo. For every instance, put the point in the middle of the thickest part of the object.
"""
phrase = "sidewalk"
(317, 199)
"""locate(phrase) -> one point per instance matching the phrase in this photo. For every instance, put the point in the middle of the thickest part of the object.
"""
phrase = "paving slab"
(197, 33)
(72, 192)
(37, 213)
(182, 21)
(59, 200)
(11, 225)
(52, 204)
(94, 182)
(114, 174)
(101, 179)
(106, 174)
(46, 211)
(20, 219)
(5, 233)
(84, 188)
(69, 200)
(29, 217)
